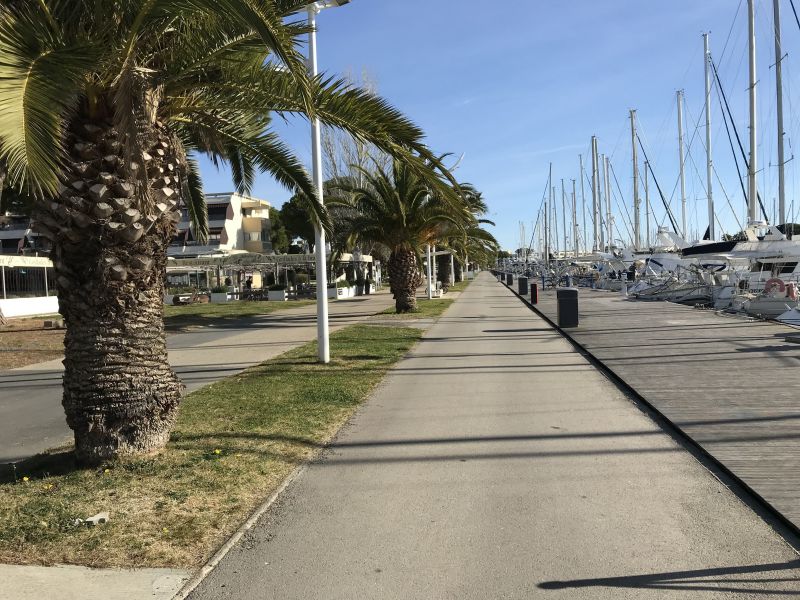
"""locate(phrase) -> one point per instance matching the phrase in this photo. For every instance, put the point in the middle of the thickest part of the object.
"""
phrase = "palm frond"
(195, 200)
(41, 75)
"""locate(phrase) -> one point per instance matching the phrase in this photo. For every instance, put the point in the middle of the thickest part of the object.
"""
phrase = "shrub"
(277, 288)
(219, 289)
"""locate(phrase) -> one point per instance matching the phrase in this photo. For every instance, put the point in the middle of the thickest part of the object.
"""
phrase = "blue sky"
(518, 88)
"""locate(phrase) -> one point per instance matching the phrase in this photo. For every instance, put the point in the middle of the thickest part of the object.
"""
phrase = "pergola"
(251, 263)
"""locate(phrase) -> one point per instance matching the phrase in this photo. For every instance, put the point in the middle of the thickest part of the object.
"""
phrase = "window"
(217, 212)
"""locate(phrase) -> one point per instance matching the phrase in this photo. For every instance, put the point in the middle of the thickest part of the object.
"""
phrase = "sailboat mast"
(776, 10)
(647, 202)
(583, 206)
(546, 220)
(574, 221)
(555, 223)
(636, 236)
(595, 195)
(546, 239)
(609, 222)
(709, 164)
(679, 95)
(564, 215)
(751, 171)
(600, 199)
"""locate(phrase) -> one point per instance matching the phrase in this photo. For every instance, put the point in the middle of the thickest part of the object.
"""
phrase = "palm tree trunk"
(109, 253)
(404, 279)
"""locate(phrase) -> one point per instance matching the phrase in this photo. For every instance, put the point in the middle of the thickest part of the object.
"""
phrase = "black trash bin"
(522, 286)
(534, 292)
(509, 279)
(567, 299)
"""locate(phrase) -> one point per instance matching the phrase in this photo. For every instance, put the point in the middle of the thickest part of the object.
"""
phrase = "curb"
(788, 530)
(212, 562)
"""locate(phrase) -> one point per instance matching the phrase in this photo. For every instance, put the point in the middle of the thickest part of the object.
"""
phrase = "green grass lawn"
(461, 285)
(425, 309)
(235, 442)
(179, 317)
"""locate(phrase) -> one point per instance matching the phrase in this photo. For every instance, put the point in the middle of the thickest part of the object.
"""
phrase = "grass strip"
(425, 309)
(192, 315)
(461, 285)
(235, 442)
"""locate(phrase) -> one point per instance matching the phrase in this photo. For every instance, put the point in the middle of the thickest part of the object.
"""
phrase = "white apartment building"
(236, 224)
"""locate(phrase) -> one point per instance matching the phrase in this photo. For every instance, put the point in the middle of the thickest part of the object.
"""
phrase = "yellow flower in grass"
(106, 471)
(217, 451)
(25, 479)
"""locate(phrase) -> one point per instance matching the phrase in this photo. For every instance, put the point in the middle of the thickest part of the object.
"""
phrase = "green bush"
(219, 289)
(182, 289)
(277, 288)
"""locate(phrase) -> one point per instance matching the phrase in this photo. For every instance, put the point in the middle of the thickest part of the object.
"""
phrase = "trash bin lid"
(566, 293)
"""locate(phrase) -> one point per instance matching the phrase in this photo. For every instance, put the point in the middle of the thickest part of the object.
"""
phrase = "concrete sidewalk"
(496, 462)
(31, 416)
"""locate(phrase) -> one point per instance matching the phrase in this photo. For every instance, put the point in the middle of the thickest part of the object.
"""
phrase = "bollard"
(567, 300)
(534, 293)
(624, 288)
(509, 279)
(522, 286)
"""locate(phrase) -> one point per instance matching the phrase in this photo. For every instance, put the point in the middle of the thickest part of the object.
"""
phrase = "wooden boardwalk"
(731, 384)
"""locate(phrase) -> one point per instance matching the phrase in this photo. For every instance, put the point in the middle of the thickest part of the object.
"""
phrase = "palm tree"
(103, 103)
(403, 210)
(471, 240)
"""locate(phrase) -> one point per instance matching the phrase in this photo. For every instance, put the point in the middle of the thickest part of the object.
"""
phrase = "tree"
(295, 218)
(277, 232)
(471, 242)
(403, 211)
(343, 154)
(103, 104)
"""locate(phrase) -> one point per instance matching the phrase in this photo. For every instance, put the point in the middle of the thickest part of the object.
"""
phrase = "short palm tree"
(403, 210)
(471, 240)
(102, 103)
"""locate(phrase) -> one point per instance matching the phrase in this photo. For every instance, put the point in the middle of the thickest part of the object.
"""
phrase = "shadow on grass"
(41, 465)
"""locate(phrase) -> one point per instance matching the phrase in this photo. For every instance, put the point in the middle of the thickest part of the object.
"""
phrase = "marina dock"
(730, 384)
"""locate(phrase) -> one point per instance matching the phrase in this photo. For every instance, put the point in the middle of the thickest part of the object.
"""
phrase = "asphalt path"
(496, 462)
(31, 415)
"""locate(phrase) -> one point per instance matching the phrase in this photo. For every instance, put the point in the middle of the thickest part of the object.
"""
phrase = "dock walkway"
(729, 383)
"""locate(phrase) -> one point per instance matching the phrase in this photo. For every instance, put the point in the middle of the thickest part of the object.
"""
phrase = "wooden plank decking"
(731, 384)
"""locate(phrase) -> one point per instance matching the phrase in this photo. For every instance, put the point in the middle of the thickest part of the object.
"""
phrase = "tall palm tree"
(402, 209)
(102, 105)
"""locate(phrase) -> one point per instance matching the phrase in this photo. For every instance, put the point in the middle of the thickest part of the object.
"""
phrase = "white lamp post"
(323, 341)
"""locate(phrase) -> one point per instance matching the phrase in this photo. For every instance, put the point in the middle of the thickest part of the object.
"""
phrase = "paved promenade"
(496, 462)
(730, 384)
(31, 415)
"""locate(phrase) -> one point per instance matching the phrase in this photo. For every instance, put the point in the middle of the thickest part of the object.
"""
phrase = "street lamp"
(323, 341)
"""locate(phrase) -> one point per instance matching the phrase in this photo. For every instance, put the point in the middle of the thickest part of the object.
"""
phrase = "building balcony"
(252, 224)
